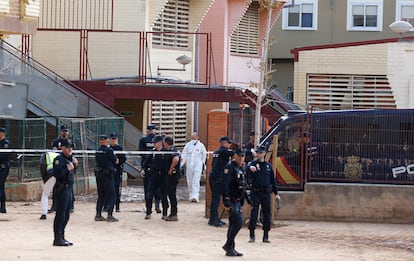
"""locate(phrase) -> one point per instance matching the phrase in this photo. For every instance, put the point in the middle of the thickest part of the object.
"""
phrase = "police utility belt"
(156, 172)
(265, 189)
(105, 171)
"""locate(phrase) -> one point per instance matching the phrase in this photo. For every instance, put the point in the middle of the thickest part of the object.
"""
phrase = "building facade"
(358, 75)
(321, 22)
(125, 39)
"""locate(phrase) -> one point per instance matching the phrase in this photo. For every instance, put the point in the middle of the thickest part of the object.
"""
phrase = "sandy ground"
(25, 237)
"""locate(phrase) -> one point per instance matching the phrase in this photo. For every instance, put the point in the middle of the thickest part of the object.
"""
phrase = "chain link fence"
(34, 134)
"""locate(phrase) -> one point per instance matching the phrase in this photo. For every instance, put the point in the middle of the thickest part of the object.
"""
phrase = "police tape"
(35, 152)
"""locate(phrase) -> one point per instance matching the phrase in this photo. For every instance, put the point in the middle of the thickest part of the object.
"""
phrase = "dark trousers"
(215, 201)
(157, 195)
(172, 181)
(106, 192)
(54, 200)
(156, 182)
(117, 183)
(64, 198)
(235, 222)
(260, 199)
(4, 172)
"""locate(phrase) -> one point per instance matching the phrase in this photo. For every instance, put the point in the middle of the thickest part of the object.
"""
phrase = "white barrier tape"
(131, 152)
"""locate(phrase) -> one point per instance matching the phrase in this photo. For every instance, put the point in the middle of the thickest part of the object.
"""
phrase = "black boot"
(67, 241)
(164, 213)
(157, 206)
(235, 251)
(266, 236)
(251, 237)
(229, 249)
(3, 207)
(59, 240)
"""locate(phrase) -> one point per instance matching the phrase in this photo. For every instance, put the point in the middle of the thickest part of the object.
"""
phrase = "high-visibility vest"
(50, 157)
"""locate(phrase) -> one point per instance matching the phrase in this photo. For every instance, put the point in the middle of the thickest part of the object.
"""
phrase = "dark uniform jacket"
(170, 158)
(121, 157)
(57, 143)
(263, 180)
(4, 157)
(234, 185)
(220, 158)
(146, 144)
(156, 163)
(105, 159)
(60, 171)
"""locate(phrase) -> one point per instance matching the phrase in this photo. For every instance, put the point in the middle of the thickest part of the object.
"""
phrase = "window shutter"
(174, 18)
(245, 38)
(349, 91)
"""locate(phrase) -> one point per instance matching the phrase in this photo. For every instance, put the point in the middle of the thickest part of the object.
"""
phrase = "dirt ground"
(25, 237)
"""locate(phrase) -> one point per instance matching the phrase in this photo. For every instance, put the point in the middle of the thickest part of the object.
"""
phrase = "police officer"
(118, 174)
(249, 147)
(4, 168)
(262, 182)
(173, 175)
(105, 170)
(147, 144)
(57, 145)
(156, 166)
(234, 193)
(63, 135)
(64, 172)
(220, 158)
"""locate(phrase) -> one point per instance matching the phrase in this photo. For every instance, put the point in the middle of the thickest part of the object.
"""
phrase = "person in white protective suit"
(193, 157)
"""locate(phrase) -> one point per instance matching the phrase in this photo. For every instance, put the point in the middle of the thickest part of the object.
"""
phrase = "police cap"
(113, 135)
(2, 129)
(66, 143)
(157, 138)
(225, 138)
(261, 149)
(64, 128)
(151, 127)
(103, 137)
(240, 152)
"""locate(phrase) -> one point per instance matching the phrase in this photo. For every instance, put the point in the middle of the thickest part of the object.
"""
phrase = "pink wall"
(220, 21)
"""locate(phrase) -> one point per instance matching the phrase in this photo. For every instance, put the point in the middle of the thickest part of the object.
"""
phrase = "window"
(245, 39)
(364, 15)
(303, 15)
(405, 12)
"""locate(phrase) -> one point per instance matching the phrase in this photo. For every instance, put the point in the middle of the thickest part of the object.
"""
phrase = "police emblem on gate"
(353, 169)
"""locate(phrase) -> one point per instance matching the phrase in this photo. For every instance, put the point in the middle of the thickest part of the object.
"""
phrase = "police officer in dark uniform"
(173, 175)
(156, 166)
(105, 170)
(64, 172)
(221, 157)
(261, 179)
(234, 193)
(249, 147)
(4, 168)
(147, 144)
(57, 145)
(119, 166)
